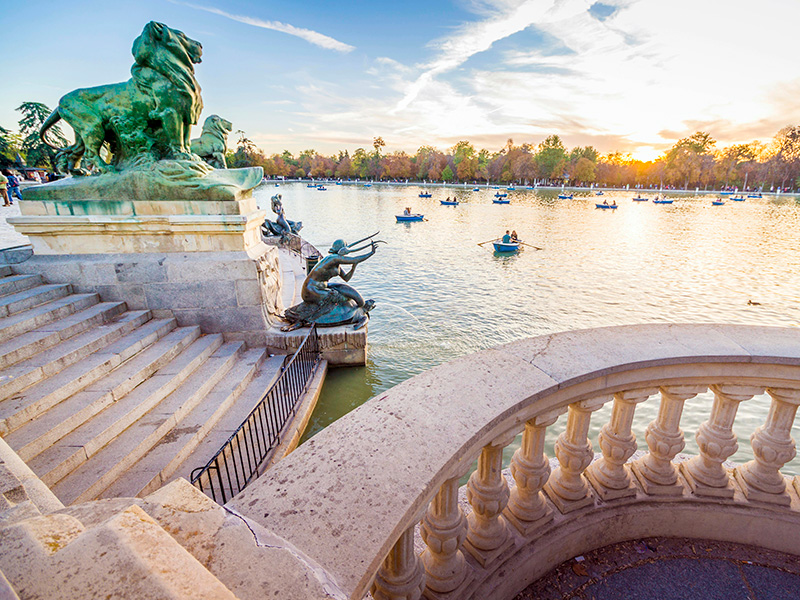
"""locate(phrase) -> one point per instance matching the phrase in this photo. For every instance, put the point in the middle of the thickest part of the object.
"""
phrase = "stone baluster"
(705, 473)
(444, 529)
(773, 447)
(609, 475)
(487, 493)
(401, 576)
(567, 487)
(527, 508)
(655, 471)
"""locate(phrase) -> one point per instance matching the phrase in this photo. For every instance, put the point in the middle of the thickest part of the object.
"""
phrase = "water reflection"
(440, 296)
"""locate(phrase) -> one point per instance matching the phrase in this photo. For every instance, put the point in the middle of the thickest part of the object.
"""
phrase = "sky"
(621, 75)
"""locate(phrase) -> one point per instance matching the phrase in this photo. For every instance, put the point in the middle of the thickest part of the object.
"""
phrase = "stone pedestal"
(194, 250)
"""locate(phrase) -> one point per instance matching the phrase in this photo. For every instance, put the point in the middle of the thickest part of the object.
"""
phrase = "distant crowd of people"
(10, 183)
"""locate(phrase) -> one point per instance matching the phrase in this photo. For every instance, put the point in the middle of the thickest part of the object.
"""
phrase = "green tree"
(38, 153)
(360, 162)
(10, 145)
(447, 174)
(550, 154)
(687, 161)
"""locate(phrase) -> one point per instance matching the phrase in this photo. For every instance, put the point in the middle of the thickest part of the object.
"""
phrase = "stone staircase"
(104, 402)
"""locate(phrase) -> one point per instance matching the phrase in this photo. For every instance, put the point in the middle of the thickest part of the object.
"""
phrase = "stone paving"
(672, 569)
(8, 236)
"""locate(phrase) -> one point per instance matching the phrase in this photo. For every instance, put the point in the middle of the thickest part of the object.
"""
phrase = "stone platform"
(672, 569)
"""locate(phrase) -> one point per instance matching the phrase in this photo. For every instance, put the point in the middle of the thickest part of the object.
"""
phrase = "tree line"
(695, 161)
(692, 162)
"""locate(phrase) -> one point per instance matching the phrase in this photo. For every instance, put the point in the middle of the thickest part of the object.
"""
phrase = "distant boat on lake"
(664, 201)
(604, 206)
(408, 218)
(448, 202)
(424, 195)
(501, 201)
(565, 196)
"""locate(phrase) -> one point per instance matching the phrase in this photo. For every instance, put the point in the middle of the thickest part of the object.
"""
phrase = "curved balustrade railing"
(350, 499)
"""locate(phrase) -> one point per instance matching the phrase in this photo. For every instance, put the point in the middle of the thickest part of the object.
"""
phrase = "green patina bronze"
(212, 143)
(144, 124)
(329, 304)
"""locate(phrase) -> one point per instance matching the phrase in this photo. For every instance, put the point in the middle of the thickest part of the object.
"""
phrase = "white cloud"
(313, 37)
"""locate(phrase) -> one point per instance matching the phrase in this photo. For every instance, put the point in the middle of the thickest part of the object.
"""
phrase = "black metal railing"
(240, 459)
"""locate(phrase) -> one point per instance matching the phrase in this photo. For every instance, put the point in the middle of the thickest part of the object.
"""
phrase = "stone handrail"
(347, 502)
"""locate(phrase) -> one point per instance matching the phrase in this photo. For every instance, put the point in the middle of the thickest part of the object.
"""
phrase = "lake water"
(441, 296)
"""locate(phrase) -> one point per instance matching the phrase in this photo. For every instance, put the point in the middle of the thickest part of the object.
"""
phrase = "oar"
(531, 245)
(487, 241)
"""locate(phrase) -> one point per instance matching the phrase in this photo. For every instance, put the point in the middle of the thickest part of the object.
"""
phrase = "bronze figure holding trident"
(329, 304)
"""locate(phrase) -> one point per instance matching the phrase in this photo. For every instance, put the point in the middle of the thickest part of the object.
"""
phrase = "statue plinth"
(167, 208)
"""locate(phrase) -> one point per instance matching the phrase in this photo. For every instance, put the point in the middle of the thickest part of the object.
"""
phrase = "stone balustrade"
(349, 500)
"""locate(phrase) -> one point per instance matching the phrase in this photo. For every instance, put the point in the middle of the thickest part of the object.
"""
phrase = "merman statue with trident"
(330, 304)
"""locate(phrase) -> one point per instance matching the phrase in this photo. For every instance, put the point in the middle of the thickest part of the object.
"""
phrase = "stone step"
(5, 271)
(179, 446)
(37, 435)
(19, 301)
(206, 448)
(83, 442)
(27, 344)
(18, 283)
(40, 382)
(17, 324)
(126, 450)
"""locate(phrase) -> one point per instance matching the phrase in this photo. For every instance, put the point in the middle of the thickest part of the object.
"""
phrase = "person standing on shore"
(3, 192)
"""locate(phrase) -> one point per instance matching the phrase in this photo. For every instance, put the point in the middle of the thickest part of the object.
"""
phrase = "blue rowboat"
(501, 201)
(338, 183)
(717, 203)
(448, 202)
(663, 201)
(606, 206)
(500, 195)
(598, 193)
(639, 199)
(407, 218)
(312, 185)
(511, 188)
(737, 198)
(476, 189)
(754, 195)
(725, 193)
(321, 188)
(367, 185)
(500, 246)
(424, 195)
(565, 196)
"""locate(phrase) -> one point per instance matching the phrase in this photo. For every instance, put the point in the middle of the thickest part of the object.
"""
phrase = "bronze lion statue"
(142, 120)
(211, 144)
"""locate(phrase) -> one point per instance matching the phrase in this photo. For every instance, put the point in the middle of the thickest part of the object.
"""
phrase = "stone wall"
(233, 293)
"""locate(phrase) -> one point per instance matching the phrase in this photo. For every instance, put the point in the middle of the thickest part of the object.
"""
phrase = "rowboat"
(640, 199)
(338, 183)
(500, 246)
(407, 218)
(737, 198)
(511, 188)
(500, 195)
(312, 185)
(663, 201)
(424, 195)
(501, 201)
(321, 188)
(448, 202)
(725, 193)
(605, 206)
(754, 195)
(717, 202)
(565, 196)
(367, 185)
(598, 193)
(476, 189)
